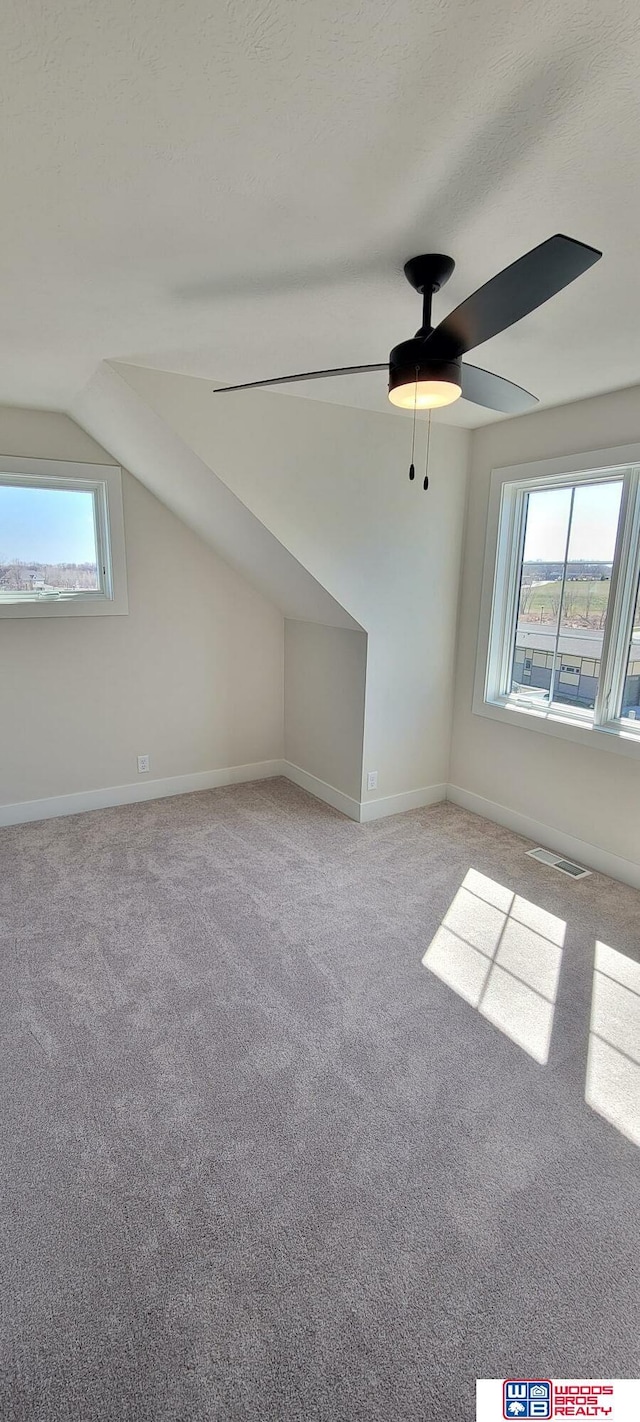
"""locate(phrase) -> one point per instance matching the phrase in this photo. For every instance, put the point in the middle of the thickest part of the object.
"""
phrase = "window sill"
(67, 605)
(567, 725)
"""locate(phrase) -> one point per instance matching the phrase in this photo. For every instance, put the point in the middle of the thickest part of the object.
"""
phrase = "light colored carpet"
(259, 1161)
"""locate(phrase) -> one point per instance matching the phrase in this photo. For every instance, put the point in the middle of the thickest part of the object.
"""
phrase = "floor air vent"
(555, 861)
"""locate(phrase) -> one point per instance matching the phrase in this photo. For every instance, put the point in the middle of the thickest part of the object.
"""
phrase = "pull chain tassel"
(412, 467)
(426, 466)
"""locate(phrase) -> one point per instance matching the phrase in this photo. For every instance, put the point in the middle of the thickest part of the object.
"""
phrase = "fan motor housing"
(410, 361)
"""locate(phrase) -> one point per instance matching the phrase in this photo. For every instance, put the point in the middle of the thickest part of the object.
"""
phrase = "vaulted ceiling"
(230, 189)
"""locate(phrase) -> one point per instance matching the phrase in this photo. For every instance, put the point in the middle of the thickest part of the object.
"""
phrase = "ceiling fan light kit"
(428, 372)
(415, 383)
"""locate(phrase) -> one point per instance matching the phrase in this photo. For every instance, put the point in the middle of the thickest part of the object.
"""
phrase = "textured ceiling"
(231, 189)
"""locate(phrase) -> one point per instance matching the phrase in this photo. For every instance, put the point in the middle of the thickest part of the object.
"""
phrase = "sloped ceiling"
(231, 189)
(110, 410)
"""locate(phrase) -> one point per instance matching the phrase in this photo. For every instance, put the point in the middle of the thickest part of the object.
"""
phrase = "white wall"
(587, 793)
(331, 484)
(193, 675)
(324, 694)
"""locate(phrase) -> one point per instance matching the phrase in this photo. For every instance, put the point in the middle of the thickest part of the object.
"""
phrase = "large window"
(563, 608)
(61, 539)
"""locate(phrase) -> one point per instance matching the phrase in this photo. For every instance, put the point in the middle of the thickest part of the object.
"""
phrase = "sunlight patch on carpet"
(502, 954)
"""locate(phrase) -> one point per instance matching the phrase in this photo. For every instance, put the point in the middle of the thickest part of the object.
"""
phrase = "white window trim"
(493, 642)
(105, 480)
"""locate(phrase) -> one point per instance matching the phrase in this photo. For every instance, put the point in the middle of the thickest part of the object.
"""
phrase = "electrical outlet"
(143, 764)
(372, 780)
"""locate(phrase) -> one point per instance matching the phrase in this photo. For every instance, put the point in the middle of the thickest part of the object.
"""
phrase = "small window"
(50, 538)
(61, 539)
(562, 628)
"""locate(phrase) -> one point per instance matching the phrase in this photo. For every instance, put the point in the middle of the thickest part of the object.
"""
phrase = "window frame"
(504, 548)
(104, 482)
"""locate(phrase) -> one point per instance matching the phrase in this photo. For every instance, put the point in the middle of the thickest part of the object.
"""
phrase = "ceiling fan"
(428, 371)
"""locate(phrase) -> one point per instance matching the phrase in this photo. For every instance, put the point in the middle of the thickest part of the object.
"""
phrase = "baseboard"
(397, 804)
(83, 800)
(322, 791)
(56, 805)
(591, 855)
(363, 811)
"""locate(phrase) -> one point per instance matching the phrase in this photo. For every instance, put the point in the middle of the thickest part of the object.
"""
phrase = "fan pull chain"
(426, 466)
(412, 467)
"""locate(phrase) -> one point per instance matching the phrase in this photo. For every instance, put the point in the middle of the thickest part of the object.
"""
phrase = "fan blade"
(306, 375)
(512, 294)
(494, 392)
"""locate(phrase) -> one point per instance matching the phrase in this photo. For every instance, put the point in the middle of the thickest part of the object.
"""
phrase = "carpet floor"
(293, 1121)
